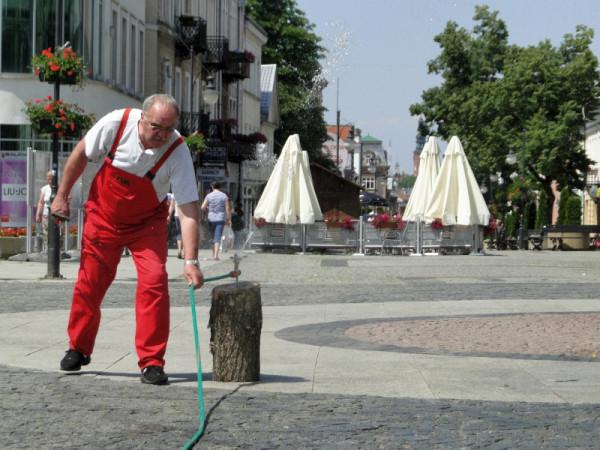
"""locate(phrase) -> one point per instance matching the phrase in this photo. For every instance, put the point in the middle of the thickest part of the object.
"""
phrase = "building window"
(24, 34)
(195, 100)
(167, 78)
(123, 36)
(100, 36)
(140, 69)
(132, 62)
(16, 35)
(114, 48)
(368, 182)
(187, 93)
(178, 85)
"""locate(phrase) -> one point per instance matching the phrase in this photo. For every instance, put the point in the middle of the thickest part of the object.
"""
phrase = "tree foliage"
(499, 97)
(294, 47)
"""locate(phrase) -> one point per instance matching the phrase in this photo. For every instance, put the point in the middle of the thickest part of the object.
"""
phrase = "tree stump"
(235, 324)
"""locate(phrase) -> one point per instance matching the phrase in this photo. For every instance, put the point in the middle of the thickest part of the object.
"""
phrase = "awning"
(12, 111)
(372, 199)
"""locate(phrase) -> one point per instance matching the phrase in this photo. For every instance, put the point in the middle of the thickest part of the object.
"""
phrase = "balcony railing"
(219, 131)
(191, 32)
(241, 151)
(215, 56)
(190, 122)
(234, 71)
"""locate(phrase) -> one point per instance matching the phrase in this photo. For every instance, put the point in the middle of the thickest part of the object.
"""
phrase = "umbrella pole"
(361, 250)
(419, 243)
(477, 242)
(304, 226)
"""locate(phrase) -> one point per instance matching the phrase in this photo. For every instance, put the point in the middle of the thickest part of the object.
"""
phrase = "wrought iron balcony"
(190, 122)
(191, 33)
(237, 65)
(215, 56)
(241, 151)
(221, 129)
(234, 71)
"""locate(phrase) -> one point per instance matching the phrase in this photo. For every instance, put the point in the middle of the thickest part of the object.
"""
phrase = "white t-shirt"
(46, 192)
(177, 172)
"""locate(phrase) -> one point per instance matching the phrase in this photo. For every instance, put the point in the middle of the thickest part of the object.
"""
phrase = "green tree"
(498, 97)
(569, 208)
(542, 213)
(573, 214)
(295, 48)
(565, 194)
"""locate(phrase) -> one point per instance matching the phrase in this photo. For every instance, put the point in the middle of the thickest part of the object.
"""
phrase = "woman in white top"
(43, 207)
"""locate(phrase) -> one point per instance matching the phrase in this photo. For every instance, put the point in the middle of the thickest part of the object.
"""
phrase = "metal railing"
(364, 238)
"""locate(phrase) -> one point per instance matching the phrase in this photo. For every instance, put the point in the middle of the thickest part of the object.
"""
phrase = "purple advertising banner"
(13, 197)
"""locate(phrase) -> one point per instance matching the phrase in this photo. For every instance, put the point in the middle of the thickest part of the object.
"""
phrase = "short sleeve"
(99, 139)
(183, 178)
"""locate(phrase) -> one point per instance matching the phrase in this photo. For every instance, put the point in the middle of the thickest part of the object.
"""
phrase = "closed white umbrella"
(289, 196)
(456, 198)
(420, 196)
(12, 112)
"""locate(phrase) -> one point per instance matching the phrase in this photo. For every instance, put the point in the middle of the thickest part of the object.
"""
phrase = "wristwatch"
(190, 262)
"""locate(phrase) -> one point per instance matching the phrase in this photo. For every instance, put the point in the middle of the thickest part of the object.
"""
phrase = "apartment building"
(203, 52)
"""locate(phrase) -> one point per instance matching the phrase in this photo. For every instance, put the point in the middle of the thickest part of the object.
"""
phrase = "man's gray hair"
(164, 99)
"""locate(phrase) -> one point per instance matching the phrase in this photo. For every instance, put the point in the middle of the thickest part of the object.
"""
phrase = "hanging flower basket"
(60, 66)
(343, 223)
(50, 116)
(196, 142)
(437, 224)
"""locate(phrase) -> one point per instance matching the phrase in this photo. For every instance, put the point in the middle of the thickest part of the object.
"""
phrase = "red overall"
(123, 211)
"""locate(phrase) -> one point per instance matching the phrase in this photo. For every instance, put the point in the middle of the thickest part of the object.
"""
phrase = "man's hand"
(193, 275)
(60, 207)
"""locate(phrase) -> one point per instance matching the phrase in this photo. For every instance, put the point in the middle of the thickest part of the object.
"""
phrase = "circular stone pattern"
(568, 335)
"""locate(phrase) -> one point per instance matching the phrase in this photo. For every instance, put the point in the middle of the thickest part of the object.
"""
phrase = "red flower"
(54, 67)
(437, 224)
(347, 223)
(260, 222)
(381, 220)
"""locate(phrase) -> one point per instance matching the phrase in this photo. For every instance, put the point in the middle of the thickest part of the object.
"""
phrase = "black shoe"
(154, 375)
(73, 360)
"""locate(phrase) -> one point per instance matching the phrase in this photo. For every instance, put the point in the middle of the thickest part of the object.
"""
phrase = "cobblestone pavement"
(41, 410)
(53, 410)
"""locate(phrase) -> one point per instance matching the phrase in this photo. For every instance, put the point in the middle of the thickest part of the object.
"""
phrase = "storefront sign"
(211, 174)
(13, 196)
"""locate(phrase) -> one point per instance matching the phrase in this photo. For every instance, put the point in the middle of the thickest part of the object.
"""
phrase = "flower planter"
(12, 245)
(61, 79)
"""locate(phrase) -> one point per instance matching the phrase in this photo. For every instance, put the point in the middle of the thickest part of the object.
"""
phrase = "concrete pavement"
(304, 293)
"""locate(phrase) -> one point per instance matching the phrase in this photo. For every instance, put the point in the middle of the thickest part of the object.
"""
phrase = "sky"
(378, 52)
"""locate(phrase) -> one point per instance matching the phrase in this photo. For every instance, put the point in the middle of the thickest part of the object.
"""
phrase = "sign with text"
(13, 196)
(211, 174)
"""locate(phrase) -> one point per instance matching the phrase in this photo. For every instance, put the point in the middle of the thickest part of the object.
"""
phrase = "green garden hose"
(202, 414)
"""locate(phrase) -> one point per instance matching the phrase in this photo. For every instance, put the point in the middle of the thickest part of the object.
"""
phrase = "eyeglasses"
(158, 128)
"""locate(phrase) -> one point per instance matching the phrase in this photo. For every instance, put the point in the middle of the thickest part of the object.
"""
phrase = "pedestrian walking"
(219, 214)
(43, 209)
(237, 225)
(174, 213)
(143, 156)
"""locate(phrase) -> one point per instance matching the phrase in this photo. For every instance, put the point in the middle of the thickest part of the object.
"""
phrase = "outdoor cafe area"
(445, 213)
